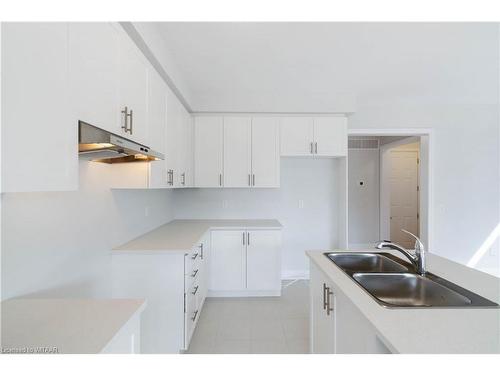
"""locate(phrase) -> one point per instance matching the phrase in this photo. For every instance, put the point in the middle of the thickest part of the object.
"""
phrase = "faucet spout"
(418, 260)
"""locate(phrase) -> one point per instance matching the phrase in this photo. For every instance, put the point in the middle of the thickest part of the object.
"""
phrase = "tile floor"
(264, 325)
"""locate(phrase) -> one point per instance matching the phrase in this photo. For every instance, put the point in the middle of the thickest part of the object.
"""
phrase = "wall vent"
(363, 144)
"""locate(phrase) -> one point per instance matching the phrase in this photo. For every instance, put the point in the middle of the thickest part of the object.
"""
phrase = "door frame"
(425, 173)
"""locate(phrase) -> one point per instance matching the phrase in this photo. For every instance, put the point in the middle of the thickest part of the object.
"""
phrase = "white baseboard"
(244, 293)
(295, 275)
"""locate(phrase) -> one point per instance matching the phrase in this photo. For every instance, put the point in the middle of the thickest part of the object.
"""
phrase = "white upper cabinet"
(319, 136)
(330, 136)
(157, 111)
(265, 152)
(296, 135)
(237, 152)
(39, 136)
(184, 149)
(133, 90)
(208, 149)
(93, 67)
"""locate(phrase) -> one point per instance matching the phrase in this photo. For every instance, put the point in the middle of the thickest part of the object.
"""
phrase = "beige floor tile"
(296, 328)
(298, 346)
(267, 329)
(234, 329)
(269, 347)
(232, 347)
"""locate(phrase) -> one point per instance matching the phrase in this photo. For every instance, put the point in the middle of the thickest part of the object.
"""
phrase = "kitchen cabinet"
(245, 263)
(314, 137)
(132, 90)
(237, 152)
(322, 313)
(93, 67)
(265, 152)
(184, 149)
(208, 149)
(39, 133)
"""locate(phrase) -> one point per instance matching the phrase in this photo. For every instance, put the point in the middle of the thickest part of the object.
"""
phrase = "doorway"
(388, 188)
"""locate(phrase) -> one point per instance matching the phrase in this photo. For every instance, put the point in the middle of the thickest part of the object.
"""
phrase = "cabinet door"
(208, 151)
(173, 146)
(322, 323)
(265, 152)
(296, 136)
(330, 136)
(133, 89)
(40, 137)
(264, 260)
(237, 152)
(227, 260)
(184, 148)
(188, 154)
(93, 67)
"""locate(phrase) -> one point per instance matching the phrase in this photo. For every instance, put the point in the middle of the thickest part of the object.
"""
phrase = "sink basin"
(366, 262)
(405, 289)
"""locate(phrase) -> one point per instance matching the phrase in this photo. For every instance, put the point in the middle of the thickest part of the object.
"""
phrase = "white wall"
(363, 199)
(57, 243)
(310, 227)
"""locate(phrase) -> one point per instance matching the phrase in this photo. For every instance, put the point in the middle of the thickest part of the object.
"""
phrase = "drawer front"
(192, 277)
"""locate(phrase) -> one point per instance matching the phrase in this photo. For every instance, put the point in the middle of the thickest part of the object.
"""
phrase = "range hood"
(96, 144)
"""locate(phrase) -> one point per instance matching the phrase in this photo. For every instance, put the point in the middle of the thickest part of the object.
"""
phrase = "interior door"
(330, 136)
(208, 151)
(404, 196)
(296, 136)
(228, 260)
(263, 260)
(237, 152)
(322, 324)
(133, 88)
(265, 152)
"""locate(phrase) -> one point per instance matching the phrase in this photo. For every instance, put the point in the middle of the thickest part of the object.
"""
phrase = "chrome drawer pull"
(195, 290)
(194, 273)
(194, 315)
(194, 256)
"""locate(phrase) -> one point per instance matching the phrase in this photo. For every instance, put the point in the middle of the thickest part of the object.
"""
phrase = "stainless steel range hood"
(96, 144)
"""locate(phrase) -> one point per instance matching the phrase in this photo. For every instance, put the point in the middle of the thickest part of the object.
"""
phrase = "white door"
(330, 136)
(93, 67)
(296, 136)
(265, 152)
(322, 322)
(228, 260)
(404, 196)
(208, 151)
(263, 260)
(237, 152)
(133, 89)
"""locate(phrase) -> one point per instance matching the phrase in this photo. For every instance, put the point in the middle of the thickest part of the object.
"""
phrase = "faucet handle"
(419, 246)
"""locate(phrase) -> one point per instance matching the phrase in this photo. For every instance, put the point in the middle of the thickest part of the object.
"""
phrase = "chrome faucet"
(418, 260)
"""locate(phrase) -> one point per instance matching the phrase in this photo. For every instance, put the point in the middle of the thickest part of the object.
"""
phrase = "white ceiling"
(326, 67)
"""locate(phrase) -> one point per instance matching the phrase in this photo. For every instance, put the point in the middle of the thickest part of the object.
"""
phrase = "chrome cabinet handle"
(194, 256)
(249, 180)
(131, 122)
(183, 175)
(195, 290)
(220, 179)
(243, 238)
(194, 273)
(194, 315)
(248, 238)
(253, 180)
(201, 250)
(312, 150)
(328, 301)
(125, 118)
(324, 296)
(315, 147)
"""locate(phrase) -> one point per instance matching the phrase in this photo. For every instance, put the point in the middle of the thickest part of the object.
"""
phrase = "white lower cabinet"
(174, 285)
(336, 324)
(245, 263)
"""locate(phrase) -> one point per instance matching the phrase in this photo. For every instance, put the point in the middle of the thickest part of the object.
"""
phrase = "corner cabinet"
(245, 262)
(314, 136)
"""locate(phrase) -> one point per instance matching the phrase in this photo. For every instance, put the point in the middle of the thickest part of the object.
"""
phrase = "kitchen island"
(353, 322)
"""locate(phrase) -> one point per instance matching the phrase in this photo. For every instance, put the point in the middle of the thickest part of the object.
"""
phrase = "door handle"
(194, 273)
(324, 296)
(253, 180)
(183, 175)
(220, 179)
(248, 238)
(249, 180)
(315, 147)
(201, 250)
(243, 238)
(194, 315)
(195, 290)
(311, 151)
(131, 121)
(329, 308)
(194, 256)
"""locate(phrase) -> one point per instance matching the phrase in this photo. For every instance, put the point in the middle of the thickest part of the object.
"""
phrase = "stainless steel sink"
(393, 283)
(366, 262)
(406, 289)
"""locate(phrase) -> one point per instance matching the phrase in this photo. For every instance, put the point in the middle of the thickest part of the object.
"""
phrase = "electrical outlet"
(301, 203)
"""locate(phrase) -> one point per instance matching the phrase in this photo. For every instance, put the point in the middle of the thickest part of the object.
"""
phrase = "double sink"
(393, 282)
